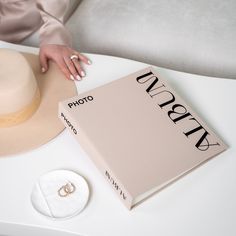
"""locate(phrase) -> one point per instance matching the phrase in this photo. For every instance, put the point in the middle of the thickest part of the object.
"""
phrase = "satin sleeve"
(53, 30)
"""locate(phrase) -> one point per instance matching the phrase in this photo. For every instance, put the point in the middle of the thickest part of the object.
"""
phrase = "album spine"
(86, 143)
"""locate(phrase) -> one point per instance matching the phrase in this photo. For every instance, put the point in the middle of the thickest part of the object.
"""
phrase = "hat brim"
(44, 125)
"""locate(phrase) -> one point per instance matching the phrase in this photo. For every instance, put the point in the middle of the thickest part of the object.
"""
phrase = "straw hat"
(37, 123)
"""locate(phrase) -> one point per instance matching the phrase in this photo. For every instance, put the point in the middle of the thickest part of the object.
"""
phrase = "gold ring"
(74, 57)
(66, 190)
(69, 188)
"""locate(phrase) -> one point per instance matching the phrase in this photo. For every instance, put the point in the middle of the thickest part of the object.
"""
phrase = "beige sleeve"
(53, 30)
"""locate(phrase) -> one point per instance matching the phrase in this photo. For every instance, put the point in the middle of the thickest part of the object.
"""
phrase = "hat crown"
(18, 88)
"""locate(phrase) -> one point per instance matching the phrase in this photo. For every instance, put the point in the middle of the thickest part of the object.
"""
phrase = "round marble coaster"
(60, 194)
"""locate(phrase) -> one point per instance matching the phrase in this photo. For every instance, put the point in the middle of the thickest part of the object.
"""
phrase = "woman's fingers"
(77, 64)
(83, 58)
(74, 75)
(43, 61)
(78, 67)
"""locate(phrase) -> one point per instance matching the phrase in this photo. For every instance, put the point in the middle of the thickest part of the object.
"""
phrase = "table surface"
(201, 203)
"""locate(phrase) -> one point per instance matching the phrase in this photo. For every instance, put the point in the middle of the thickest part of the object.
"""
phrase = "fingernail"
(78, 77)
(43, 69)
(72, 77)
(89, 62)
(82, 73)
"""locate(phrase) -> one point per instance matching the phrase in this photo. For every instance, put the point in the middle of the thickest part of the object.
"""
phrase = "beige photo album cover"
(139, 133)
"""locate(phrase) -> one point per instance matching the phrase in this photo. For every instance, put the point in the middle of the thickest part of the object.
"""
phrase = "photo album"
(139, 133)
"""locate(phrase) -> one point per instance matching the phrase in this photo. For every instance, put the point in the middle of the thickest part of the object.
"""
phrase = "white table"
(201, 203)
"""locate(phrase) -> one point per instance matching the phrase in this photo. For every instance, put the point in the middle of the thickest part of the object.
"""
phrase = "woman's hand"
(61, 55)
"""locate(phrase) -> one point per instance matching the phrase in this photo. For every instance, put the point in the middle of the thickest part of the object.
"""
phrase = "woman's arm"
(55, 40)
